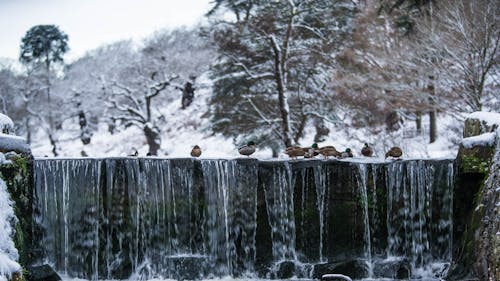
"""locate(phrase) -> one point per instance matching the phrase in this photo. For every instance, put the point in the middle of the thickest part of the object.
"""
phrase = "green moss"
(17, 176)
(474, 164)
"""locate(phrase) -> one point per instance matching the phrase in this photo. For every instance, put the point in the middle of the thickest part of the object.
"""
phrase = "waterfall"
(419, 216)
(363, 191)
(141, 218)
(321, 176)
(280, 209)
(231, 215)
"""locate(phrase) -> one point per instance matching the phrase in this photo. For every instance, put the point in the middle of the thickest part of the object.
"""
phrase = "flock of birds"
(309, 152)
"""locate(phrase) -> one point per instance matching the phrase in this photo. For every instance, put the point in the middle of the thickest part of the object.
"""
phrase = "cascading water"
(186, 219)
(362, 184)
(419, 215)
(280, 210)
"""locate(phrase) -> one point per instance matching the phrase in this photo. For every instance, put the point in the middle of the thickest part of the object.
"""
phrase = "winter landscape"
(250, 140)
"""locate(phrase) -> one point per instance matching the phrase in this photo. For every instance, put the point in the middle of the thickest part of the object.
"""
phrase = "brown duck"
(367, 151)
(294, 151)
(196, 151)
(329, 150)
(395, 152)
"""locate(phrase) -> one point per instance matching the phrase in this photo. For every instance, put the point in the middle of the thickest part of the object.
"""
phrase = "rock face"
(476, 210)
(193, 218)
(16, 163)
(487, 263)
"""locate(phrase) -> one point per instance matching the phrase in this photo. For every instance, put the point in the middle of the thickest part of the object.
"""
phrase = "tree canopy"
(43, 44)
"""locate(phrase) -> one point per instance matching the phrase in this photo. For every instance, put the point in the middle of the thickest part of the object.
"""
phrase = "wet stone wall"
(190, 218)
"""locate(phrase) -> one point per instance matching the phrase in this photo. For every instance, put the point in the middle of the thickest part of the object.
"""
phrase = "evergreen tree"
(276, 58)
(41, 47)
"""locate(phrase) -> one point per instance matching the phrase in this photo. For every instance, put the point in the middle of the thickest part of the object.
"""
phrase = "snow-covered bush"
(8, 252)
(6, 125)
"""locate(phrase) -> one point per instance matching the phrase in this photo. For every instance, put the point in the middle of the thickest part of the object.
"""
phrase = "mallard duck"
(395, 152)
(367, 150)
(329, 150)
(196, 151)
(248, 149)
(346, 154)
(310, 152)
(294, 151)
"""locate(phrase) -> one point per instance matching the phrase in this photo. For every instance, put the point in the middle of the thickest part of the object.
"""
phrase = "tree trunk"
(28, 130)
(153, 139)
(53, 142)
(47, 70)
(300, 130)
(283, 101)
(432, 126)
(432, 113)
(418, 122)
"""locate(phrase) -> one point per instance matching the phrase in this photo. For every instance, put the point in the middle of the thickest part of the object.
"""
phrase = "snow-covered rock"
(487, 139)
(490, 118)
(8, 251)
(13, 143)
(481, 122)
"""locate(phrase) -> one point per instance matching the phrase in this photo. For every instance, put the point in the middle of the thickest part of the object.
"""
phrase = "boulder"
(286, 269)
(42, 273)
(394, 269)
(478, 146)
(355, 269)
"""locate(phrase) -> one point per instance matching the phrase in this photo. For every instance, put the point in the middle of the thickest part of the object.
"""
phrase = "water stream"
(144, 218)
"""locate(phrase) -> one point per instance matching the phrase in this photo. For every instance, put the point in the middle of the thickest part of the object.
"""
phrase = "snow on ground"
(8, 252)
(183, 130)
(186, 128)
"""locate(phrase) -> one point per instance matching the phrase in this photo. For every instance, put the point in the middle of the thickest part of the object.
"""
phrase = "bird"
(196, 151)
(395, 152)
(346, 154)
(329, 150)
(294, 151)
(248, 149)
(367, 150)
(136, 153)
(310, 152)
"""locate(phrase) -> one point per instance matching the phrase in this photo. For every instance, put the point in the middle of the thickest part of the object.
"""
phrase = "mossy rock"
(18, 177)
(475, 127)
(475, 160)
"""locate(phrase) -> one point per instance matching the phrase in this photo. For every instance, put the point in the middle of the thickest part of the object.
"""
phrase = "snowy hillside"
(185, 128)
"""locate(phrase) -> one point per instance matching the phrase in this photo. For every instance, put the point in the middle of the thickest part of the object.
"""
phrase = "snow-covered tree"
(461, 41)
(151, 78)
(42, 47)
(274, 66)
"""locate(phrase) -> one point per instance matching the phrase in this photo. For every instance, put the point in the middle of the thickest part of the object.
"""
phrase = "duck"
(367, 150)
(196, 151)
(295, 151)
(329, 150)
(248, 149)
(346, 154)
(310, 152)
(135, 153)
(395, 152)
